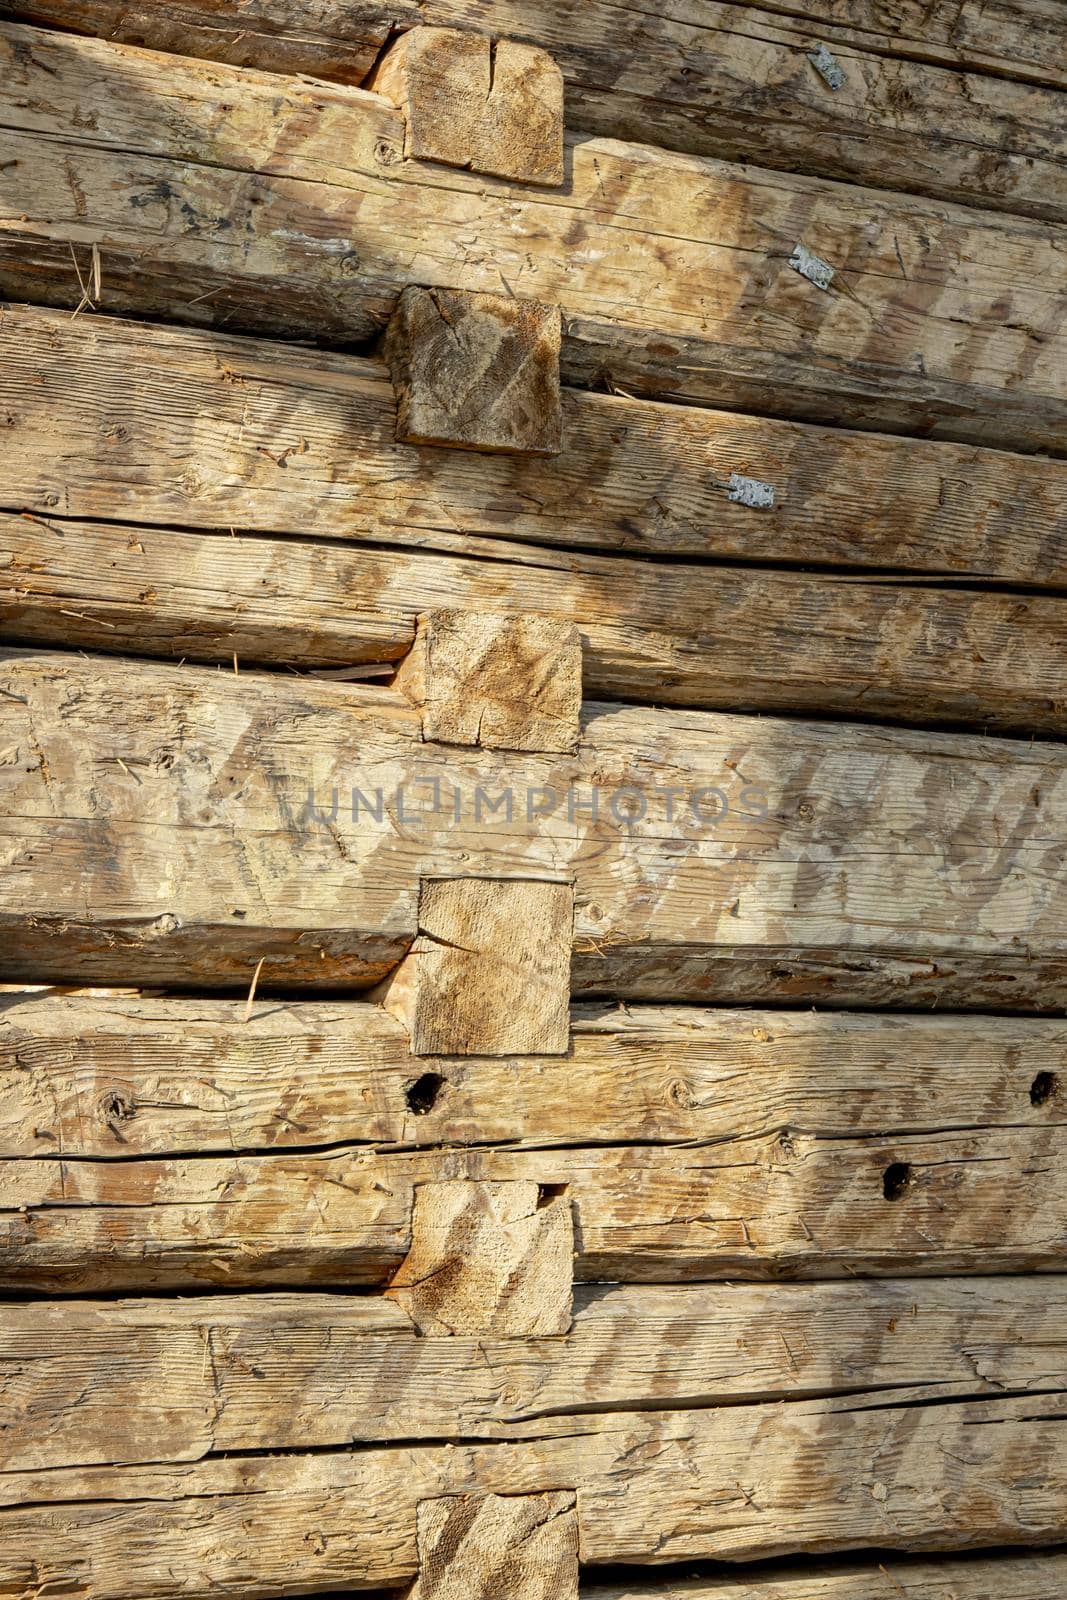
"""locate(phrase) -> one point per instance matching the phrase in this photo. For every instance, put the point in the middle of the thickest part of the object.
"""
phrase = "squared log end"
(488, 1258)
(498, 681)
(488, 105)
(476, 371)
(489, 973)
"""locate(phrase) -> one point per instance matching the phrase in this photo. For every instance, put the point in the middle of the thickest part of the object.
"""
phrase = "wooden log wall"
(533, 575)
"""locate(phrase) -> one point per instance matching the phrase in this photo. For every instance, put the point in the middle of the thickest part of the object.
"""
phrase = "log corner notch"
(488, 1258)
(476, 371)
(487, 105)
(488, 973)
(496, 681)
(500, 1547)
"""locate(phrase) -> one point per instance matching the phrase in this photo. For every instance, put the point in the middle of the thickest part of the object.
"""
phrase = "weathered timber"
(738, 1483)
(184, 825)
(521, 1546)
(206, 431)
(98, 1075)
(926, 104)
(1037, 1575)
(489, 971)
(476, 371)
(787, 1206)
(491, 105)
(502, 680)
(492, 1258)
(725, 638)
(125, 1381)
(938, 320)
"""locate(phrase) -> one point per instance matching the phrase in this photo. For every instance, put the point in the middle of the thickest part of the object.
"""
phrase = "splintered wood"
(491, 105)
(487, 1258)
(476, 371)
(489, 972)
(503, 682)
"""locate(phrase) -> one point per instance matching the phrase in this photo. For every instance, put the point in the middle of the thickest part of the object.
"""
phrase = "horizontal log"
(791, 1206)
(120, 1076)
(1038, 1575)
(721, 80)
(120, 1382)
(901, 338)
(160, 830)
(738, 1483)
(730, 639)
(341, 39)
(205, 431)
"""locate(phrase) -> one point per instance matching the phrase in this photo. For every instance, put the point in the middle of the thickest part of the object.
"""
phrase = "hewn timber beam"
(204, 431)
(119, 1076)
(183, 825)
(116, 1382)
(788, 1206)
(722, 638)
(1037, 1575)
(738, 1483)
(786, 294)
(920, 101)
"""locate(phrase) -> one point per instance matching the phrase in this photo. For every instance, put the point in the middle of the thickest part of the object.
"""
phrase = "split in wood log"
(927, 103)
(206, 431)
(498, 680)
(786, 1206)
(740, 1483)
(898, 338)
(498, 1547)
(489, 971)
(127, 1381)
(476, 372)
(1037, 1575)
(670, 634)
(92, 1075)
(490, 105)
(487, 1258)
(199, 816)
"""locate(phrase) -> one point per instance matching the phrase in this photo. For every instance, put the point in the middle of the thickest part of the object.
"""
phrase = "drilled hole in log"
(421, 1095)
(1045, 1087)
(896, 1179)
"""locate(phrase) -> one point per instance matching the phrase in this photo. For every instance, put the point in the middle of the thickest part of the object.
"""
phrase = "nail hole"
(1045, 1087)
(896, 1179)
(421, 1095)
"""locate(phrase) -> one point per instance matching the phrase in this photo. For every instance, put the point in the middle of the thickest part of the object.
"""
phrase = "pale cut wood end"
(488, 1258)
(489, 971)
(489, 105)
(476, 371)
(499, 681)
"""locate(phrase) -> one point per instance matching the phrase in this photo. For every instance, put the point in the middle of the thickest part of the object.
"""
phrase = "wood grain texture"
(488, 973)
(106, 1076)
(491, 1258)
(179, 824)
(785, 1206)
(127, 1381)
(204, 431)
(477, 1547)
(740, 1483)
(927, 105)
(1037, 1575)
(490, 105)
(476, 371)
(671, 634)
(939, 320)
(502, 680)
